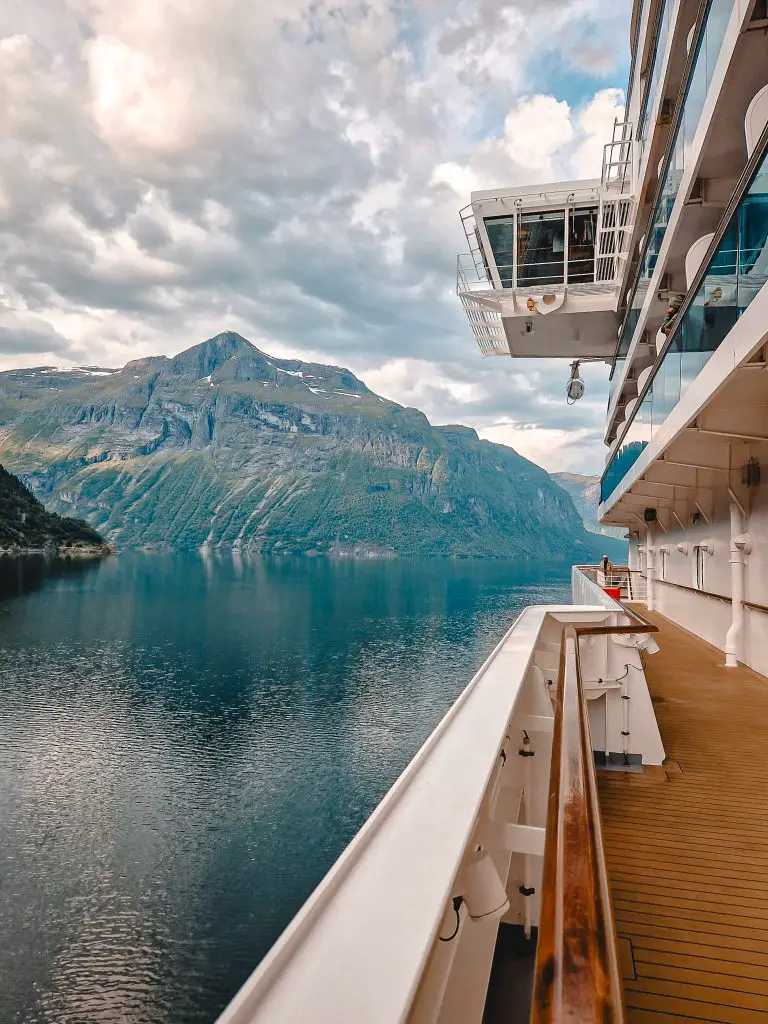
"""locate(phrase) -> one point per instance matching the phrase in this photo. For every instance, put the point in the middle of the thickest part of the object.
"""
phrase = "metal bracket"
(515, 838)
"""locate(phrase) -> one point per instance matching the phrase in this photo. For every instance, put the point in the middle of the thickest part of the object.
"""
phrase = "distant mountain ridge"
(226, 446)
(585, 492)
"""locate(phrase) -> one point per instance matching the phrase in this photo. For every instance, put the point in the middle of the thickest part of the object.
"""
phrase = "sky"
(293, 171)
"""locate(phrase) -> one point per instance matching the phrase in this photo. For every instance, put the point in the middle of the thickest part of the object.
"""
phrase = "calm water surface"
(187, 744)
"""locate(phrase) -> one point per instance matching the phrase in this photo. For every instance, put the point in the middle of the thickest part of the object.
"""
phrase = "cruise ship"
(584, 836)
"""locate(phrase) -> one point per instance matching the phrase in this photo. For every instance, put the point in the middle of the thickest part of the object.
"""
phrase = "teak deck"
(687, 844)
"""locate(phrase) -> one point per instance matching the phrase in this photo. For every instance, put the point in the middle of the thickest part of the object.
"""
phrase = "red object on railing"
(614, 592)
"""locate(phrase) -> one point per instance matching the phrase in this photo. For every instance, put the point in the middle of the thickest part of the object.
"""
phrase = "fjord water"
(188, 742)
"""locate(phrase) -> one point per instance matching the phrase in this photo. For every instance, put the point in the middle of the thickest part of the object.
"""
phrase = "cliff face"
(226, 446)
(585, 493)
(25, 525)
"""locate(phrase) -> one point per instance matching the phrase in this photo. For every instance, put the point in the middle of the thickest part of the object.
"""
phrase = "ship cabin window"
(662, 565)
(541, 249)
(699, 566)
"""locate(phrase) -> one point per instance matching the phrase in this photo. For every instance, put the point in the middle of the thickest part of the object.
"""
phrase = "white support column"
(740, 547)
(633, 562)
(650, 569)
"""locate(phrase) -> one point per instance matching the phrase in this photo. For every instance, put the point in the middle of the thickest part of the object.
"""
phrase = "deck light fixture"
(484, 894)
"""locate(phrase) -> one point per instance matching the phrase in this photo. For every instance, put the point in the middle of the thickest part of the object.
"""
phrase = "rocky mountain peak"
(224, 446)
(207, 358)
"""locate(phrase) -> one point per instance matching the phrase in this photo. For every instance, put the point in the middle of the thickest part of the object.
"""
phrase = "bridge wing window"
(582, 230)
(501, 235)
(541, 248)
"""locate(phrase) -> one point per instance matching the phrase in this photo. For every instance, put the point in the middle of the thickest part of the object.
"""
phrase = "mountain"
(25, 525)
(223, 445)
(585, 492)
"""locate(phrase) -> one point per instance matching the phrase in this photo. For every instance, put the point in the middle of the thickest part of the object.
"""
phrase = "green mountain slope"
(26, 525)
(225, 446)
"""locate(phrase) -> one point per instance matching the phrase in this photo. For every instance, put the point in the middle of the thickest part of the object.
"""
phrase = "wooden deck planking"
(687, 844)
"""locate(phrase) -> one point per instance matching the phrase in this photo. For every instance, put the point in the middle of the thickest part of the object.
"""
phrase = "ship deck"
(687, 844)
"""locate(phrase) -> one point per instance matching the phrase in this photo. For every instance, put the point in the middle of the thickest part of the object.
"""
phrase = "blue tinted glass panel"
(753, 239)
(666, 385)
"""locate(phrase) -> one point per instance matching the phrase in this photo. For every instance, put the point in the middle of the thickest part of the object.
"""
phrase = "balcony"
(723, 290)
(701, 165)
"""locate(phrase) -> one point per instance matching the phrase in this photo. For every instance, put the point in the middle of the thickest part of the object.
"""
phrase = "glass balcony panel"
(707, 54)
(736, 272)
(753, 238)
(666, 385)
(616, 374)
(718, 16)
(694, 104)
(651, 93)
(636, 440)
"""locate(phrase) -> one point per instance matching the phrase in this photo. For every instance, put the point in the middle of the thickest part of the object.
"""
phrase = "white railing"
(585, 589)
(468, 279)
(455, 845)
(487, 327)
(614, 228)
(638, 585)
(588, 583)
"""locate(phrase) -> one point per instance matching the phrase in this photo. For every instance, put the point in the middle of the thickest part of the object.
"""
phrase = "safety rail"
(403, 926)
(577, 975)
(618, 577)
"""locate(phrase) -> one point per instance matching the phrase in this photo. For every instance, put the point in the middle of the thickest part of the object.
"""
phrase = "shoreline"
(85, 553)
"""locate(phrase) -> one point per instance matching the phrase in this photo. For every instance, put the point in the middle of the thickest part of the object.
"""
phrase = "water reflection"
(21, 575)
(185, 746)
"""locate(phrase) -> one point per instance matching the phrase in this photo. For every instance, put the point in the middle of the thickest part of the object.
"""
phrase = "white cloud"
(293, 172)
(595, 122)
(559, 451)
(536, 129)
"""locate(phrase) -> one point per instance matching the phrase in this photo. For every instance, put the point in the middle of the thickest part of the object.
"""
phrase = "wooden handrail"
(577, 976)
